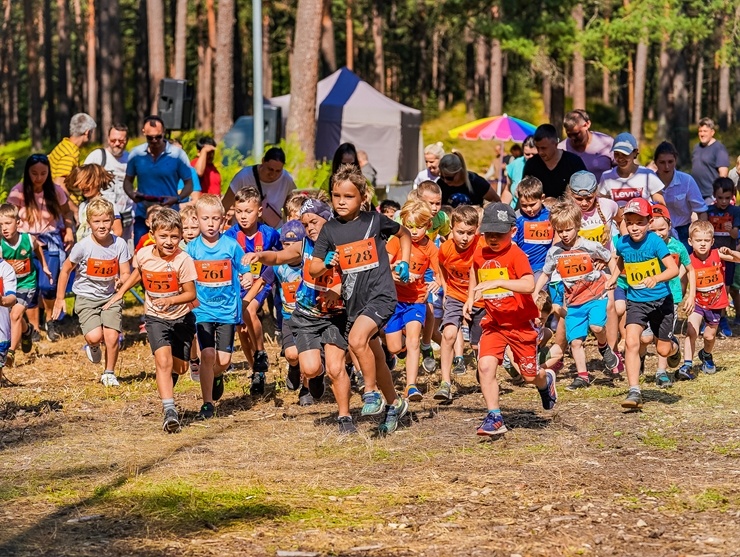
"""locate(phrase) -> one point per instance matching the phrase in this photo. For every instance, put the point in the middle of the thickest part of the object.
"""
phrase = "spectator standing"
(157, 166)
(709, 160)
(208, 174)
(552, 166)
(515, 170)
(66, 155)
(460, 186)
(594, 148)
(433, 153)
(734, 173)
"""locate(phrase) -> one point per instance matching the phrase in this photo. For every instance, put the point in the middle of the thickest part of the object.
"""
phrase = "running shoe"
(428, 363)
(493, 424)
(549, 394)
(444, 393)
(458, 365)
(674, 360)
(293, 379)
(261, 363)
(52, 331)
(372, 404)
(257, 388)
(109, 380)
(304, 397)
(35, 335)
(633, 400)
(685, 373)
(218, 387)
(195, 370)
(93, 353)
(662, 380)
(413, 394)
(207, 411)
(393, 415)
(707, 362)
(27, 339)
(171, 422)
(316, 387)
(578, 383)
(346, 425)
(724, 328)
(611, 361)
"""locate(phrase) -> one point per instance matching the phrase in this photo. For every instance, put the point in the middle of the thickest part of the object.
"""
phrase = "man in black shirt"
(550, 165)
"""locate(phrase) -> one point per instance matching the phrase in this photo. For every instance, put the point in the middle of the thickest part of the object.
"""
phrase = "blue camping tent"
(350, 110)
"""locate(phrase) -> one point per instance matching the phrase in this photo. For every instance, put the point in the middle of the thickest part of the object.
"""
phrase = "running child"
(389, 208)
(648, 266)
(502, 277)
(411, 309)
(218, 265)
(534, 233)
(584, 287)
(90, 180)
(168, 275)
(148, 238)
(711, 296)
(7, 300)
(18, 250)
(355, 242)
(190, 231)
(102, 261)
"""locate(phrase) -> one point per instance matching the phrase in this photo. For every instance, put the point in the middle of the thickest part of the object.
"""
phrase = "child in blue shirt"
(534, 233)
(218, 266)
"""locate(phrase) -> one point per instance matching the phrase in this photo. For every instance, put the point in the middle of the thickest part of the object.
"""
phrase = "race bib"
(709, 279)
(575, 266)
(637, 272)
(214, 274)
(719, 222)
(25, 270)
(289, 291)
(418, 264)
(325, 282)
(102, 269)
(538, 232)
(358, 256)
(496, 273)
(161, 284)
(594, 234)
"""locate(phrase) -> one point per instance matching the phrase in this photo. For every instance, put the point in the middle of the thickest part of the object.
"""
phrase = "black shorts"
(658, 315)
(453, 315)
(216, 335)
(312, 333)
(380, 310)
(288, 340)
(176, 334)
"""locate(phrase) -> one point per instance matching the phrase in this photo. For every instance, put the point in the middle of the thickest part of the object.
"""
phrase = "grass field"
(86, 470)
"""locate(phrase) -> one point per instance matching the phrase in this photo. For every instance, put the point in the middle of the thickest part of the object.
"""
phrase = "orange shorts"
(523, 342)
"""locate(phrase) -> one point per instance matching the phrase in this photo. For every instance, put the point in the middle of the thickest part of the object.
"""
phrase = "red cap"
(639, 206)
(661, 211)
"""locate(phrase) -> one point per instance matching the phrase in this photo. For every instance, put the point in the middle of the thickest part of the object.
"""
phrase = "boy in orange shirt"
(455, 261)
(502, 276)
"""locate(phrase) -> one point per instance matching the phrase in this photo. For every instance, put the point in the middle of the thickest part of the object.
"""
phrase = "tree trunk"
(679, 129)
(115, 62)
(105, 30)
(181, 35)
(242, 73)
(63, 62)
(665, 84)
(546, 93)
(496, 88)
(349, 28)
(223, 117)
(723, 93)
(51, 113)
(79, 55)
(557, 104)
(737, 93)
(469, 73)
(481, 71)
(41, 34)
(579, 62)
(378, 56)
(155, 43)
(423, 54)
(442, 76)
(32, 68)
(328, 48)
(141, 72)
(699, 87)
(266, 60)
(639, 95)
(435, 60)
(8, 82)
(206, 39)
(92, 72)
(304, 76)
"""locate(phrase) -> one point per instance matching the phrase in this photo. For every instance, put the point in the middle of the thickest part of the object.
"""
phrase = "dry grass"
(85, 471)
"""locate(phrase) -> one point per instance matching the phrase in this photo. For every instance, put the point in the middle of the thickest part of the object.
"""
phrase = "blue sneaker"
(707, 361)
(393, 415)
(724, 327)
(493, 424)
(372, 404)
(549, 394)
(413, 394)
(685, 373)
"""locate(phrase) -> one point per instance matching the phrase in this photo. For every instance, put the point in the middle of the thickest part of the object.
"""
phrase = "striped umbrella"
(500, 128)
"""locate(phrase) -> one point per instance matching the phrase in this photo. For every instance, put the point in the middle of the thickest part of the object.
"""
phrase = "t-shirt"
(720, 219)
(115, 193)
(597, 156)
(43, 221)
(710, 281)
(98, 267)
(734, 175)
(163, 278)
(556, 180)
(274, 193)
(504, 308)
(455, 266)
(534, 237)
(682, 198)
(312, 298)
(217, 284)
(83, 228)
(705, 162)
(210, 182)
(582, 283)
(596, 224)
(440, 226)
(643, 259)
(681, 256)
(461, 195)
(423, 176)
(63, 158)
(7, 287)
(641, 183)
(22, 251)
(363, 259)
(265, 239)
(423, 257)
(288, 278)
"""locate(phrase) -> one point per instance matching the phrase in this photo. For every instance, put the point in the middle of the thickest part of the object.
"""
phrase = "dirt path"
(85, 471)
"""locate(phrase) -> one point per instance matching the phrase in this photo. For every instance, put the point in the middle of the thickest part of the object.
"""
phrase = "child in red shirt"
(502, 276)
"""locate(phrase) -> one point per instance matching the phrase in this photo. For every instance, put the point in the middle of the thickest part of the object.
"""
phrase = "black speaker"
(175, 105)
(273, 124)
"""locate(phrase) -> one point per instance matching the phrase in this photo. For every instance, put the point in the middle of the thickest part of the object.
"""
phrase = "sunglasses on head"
(38, 157)
(153, 138)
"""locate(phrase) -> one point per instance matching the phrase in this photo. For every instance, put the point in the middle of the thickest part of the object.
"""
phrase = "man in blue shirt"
(158, 167)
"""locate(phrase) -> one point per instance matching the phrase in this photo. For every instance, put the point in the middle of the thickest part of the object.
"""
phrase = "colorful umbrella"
(500, 128)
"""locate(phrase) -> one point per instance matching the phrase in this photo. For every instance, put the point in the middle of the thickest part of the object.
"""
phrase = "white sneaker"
(195, 376)
(94, 353)
(109, 380)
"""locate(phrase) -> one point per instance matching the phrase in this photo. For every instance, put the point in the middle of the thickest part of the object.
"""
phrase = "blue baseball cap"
(624, 143)
(292, 231)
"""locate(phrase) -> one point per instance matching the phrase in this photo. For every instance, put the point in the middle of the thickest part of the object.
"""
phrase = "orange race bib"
(102, 269)
(358, 256)
(325, 282)
(719, 222)
(25, 270)
(575, 266)
(538, 232)
(418, 264)
(214, 274)
(708, 279)
(160, 284)
(289, 291)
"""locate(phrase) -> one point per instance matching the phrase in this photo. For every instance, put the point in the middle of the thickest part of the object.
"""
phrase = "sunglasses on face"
(153, 138)
(449, 177)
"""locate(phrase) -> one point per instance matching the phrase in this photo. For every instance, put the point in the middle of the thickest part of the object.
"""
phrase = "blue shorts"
(406, 313)
(580, 318)
(29, 299)
(556, 291)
